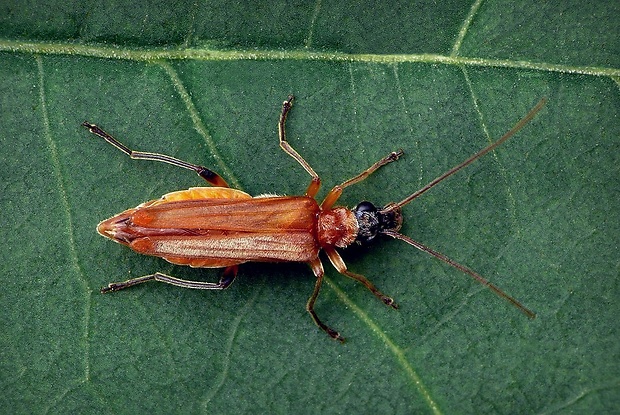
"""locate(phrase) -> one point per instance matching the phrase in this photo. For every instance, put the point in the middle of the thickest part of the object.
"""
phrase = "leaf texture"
(204, 81)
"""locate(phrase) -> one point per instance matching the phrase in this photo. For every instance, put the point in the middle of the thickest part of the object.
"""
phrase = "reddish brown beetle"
(213, 227)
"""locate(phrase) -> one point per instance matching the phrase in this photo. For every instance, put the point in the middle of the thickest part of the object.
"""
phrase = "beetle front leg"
(335, 193)
(227, 278)
(207, 174)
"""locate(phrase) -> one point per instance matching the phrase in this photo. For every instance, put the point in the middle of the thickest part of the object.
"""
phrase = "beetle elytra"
(220, 227)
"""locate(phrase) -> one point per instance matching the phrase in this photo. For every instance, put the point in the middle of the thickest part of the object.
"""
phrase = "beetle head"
(373, 221)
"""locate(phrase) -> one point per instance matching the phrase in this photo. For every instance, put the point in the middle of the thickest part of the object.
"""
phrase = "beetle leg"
(339, 264)
(317, 268)
(228, 277)
(209, 175)
(315, 184)
(335, 193)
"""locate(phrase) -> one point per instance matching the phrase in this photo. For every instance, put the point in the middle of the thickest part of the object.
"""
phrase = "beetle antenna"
(464, 269)
(470, 160)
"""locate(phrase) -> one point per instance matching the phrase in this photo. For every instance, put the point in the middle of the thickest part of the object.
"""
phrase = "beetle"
(220, 227)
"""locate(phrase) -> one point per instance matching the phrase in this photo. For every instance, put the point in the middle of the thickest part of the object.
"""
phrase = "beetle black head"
(373, 221)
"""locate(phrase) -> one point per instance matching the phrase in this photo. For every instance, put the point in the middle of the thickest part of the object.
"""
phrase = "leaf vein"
(407, 121)
(396, 350)
(63, 48)
(465, 27)
(229, 345)
(198, 123)
(315, 14)
(70, 231)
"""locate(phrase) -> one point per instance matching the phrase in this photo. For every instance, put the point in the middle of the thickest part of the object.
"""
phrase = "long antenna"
(464, 269)
(470, 160)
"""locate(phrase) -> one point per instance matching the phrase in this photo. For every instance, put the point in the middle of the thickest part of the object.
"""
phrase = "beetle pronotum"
(219, 227)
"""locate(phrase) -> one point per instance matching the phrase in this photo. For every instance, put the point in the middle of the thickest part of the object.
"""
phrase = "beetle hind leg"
(227, 278)
(339, 264)
(207, 174)
(317, 268)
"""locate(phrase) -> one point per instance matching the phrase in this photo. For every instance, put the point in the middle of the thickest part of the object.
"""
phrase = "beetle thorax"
(337, 227)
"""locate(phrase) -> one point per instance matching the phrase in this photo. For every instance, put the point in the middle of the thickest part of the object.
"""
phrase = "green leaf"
(204, 82)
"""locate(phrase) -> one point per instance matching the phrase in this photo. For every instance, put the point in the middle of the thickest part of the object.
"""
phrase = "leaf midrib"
(206, 54)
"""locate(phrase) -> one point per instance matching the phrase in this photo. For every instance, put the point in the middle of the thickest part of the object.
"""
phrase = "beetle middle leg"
(227, 278)
(315, 184)
(341, 267)
(207, 174)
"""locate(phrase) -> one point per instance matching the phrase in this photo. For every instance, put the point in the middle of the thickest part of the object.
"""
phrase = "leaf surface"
(204, 82)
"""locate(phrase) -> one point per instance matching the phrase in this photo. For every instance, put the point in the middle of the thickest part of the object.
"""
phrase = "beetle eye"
(368, 222)
(365, 207)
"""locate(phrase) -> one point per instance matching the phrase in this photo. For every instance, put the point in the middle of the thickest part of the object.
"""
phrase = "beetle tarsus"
(117, 286)
(389, 301)
(395, 155)
(112, 287)
(286, 105)
(330, 332)
(335, 335)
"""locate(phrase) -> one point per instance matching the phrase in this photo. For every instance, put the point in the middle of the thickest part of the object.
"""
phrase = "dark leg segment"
(225, 281)
(209, 175)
